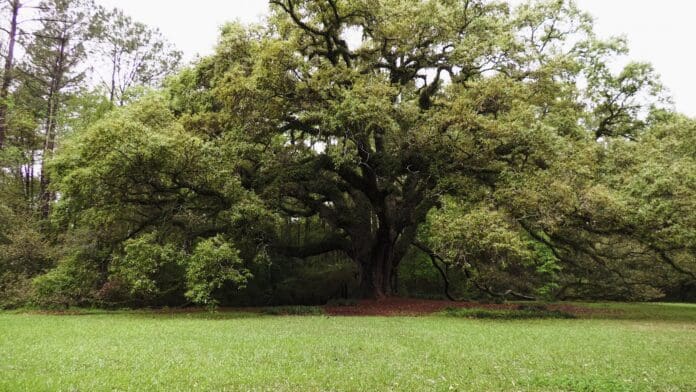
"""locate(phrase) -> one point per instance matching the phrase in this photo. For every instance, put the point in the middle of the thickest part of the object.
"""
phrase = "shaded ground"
(390, 307)
(419, 307)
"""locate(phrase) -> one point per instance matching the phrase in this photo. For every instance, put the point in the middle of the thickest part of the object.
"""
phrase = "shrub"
(146, 265)
(213, 263)
(15, 291)
(71, 283)
(114, 291)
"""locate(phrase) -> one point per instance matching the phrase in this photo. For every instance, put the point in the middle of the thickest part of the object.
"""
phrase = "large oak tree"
(382, 120)
(364, 114)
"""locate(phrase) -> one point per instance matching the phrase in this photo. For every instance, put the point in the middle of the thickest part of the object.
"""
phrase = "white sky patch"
(658, 32)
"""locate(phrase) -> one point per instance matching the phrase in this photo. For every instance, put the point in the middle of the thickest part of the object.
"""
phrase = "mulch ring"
(419, 307)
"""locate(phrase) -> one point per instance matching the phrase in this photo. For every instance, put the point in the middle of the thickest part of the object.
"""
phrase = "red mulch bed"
(419, 307)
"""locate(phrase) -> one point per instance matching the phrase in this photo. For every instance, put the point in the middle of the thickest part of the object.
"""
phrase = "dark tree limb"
(320, 247)
(669, 261)
(515, 294)
(434, 257)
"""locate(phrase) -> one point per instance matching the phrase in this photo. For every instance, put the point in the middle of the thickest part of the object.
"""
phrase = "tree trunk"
(114, 66)
(7, 75)
(45, 195)
(51, 122)
(376, 273)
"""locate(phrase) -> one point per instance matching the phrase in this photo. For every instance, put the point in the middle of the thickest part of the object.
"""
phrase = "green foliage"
(23, 249)
(15, 290)
(368, 145)
(481, 232)
(72, 282)
(162, 181)
(47, 94)
(25, 253)
(383, 141)
(143, 263)
(213, 263)
(492, 250)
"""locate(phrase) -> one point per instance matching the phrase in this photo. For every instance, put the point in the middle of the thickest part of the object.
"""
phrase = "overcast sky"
(662, 33)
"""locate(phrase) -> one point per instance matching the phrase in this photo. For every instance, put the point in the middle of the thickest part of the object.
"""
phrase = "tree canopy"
(497, 142)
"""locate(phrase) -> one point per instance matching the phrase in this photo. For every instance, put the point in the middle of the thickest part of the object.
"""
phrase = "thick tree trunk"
(375, 281)
(377, 273)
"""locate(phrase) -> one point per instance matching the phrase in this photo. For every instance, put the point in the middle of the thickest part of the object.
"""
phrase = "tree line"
(340, 148)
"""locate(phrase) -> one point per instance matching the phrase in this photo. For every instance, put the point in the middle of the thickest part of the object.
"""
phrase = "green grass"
(632, 348)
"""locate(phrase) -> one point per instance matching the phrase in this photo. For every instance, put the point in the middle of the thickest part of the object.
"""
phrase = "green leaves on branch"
(146, 265)
(144, 261)
(162, 200)
(214, 263)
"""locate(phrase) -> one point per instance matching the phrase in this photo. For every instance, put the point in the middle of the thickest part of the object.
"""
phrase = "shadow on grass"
(659, 312)
(182, 313)
(650, 311)
(523, 312)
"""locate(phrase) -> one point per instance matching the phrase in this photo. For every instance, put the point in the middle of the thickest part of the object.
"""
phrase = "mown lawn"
(635, 347)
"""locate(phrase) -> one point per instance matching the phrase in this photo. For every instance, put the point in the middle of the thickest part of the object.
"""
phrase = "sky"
(659, 32)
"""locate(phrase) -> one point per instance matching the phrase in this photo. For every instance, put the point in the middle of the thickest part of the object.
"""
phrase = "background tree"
(47, 94)
(55, 65)
(12, 7)
(137, 55)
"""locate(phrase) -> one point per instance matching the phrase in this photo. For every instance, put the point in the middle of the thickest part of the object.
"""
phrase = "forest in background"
(339, 149)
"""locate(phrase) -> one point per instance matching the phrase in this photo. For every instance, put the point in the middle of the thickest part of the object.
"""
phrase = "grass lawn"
(631, 347)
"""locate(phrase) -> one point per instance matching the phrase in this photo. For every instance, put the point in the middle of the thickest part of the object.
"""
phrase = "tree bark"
(377, 272)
